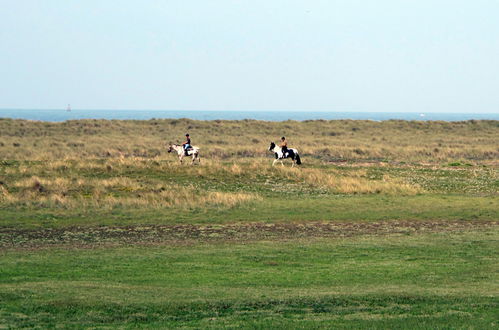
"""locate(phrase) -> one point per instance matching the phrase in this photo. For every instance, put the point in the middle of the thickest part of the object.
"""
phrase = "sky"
(310, 55)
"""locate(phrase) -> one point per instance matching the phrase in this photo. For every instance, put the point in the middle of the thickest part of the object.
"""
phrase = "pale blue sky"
(338, 55)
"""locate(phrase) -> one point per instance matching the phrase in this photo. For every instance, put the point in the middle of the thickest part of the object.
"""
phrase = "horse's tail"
(298, 159)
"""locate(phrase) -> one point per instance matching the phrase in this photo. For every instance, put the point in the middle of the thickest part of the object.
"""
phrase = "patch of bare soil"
(81, 237)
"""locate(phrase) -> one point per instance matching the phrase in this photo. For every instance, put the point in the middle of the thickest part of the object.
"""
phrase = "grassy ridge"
(394, 140)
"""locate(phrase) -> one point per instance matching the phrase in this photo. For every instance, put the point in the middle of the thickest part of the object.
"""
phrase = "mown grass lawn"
(447, 279)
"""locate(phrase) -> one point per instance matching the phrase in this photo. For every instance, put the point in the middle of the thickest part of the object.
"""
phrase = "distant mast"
(68, 109)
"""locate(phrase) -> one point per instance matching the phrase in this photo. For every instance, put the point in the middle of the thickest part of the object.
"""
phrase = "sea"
(57, 115)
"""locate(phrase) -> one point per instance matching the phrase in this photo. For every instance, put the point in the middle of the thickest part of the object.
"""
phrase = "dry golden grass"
(94, 183)
(180, 197)
(115, 192)
(408, 141)
(107, 164)
(354, 183)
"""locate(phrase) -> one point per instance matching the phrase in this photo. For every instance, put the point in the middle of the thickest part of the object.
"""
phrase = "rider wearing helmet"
(187, 144)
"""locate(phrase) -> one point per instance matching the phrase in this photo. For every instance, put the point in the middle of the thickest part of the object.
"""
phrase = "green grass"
(429, 280)
(325, 208)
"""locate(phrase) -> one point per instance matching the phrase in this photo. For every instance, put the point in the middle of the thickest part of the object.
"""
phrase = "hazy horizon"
(318, 56)
(245, 110)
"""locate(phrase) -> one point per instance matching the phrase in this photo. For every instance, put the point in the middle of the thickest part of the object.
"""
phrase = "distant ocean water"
(62, 115)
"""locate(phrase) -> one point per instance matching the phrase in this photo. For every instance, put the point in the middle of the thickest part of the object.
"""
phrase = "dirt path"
(189, 234)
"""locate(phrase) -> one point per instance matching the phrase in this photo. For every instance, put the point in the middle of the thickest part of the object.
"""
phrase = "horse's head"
(170, 147)
(272, 146)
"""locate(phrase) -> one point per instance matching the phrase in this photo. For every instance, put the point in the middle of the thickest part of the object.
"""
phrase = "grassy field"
(386, 225)
(446, 279)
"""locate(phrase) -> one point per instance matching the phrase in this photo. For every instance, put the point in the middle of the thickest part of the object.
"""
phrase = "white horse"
(279, 155)
(193, 151)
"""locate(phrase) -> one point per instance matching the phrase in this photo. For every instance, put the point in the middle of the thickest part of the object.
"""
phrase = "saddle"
(287, 154)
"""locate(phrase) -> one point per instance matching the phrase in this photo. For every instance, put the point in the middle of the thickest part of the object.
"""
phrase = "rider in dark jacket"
(187, 144)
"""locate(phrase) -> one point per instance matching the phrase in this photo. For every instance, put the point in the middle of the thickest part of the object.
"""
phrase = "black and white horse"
(291, 153)
(194, 152)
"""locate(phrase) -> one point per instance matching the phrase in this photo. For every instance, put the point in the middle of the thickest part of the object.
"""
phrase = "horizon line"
(261, 110)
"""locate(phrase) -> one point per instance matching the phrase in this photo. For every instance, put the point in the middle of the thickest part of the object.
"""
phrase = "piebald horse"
(193, 151)
(279, 155)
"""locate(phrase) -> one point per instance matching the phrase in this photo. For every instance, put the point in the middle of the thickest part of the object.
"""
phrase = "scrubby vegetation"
(386, 224)
(394, 140)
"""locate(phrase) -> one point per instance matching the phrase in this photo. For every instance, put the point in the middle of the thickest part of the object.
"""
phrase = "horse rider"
(284, 146)
(187, 144)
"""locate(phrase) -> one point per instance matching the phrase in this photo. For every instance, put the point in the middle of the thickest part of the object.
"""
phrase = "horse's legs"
(282, 163)
(273, 163)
